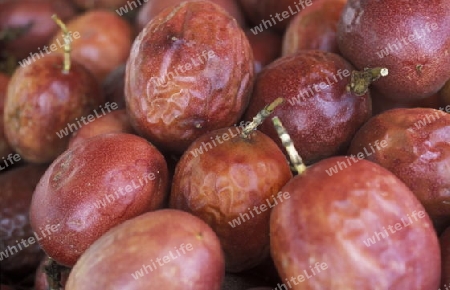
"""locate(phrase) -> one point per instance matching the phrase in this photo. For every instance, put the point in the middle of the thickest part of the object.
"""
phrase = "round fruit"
(114, 122)
(190, 72)
(414, 144)
(362, 215)
(94, 186)
(233, 187)
(19, 249)
(151, 9)
(5, 149)
(29, 25)
(319, 112)
(409, 38)
(101, 41)
(165, 249)
(314, 28)
(42, 101)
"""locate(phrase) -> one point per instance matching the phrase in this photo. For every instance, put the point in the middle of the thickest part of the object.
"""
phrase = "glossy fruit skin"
(417, 152)
(151, 9)
(415, 35)
(137, 242)
(114, 122)
(72, 194)
(328, 220)
(16, 14)
(445, 254)
(104, 41)
(16, 190)
(212, 94)
(42, 100)
(5, 148)
(227, 180)
(321, 122)
(314, 28)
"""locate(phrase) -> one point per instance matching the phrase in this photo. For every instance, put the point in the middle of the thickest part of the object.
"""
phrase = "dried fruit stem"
(286, 140)
(53, 272)
(261, 116)
(67, 47)
(360, 80)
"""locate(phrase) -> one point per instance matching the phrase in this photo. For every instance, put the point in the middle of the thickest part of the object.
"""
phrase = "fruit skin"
(444, 95)
(16, 14)
(129, 247)
(314, 28)
(69, 193)
(266, 47)
(212, 94)
(106, 4)
(418, 67)
(381, 104)
(259, 10)
(16, 190)
(227, 180)
(151, 9)
(5, 149)
(42, 100)
(417, 152)
(445, 254)
(321, 122)
(103, 44)
(328, 219)
(114, 86)
(114, 122)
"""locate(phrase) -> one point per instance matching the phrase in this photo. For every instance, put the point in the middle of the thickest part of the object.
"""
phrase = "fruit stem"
(53, 273)
(261, 116)
(67, 47)
(360, 80)
(296, 160)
